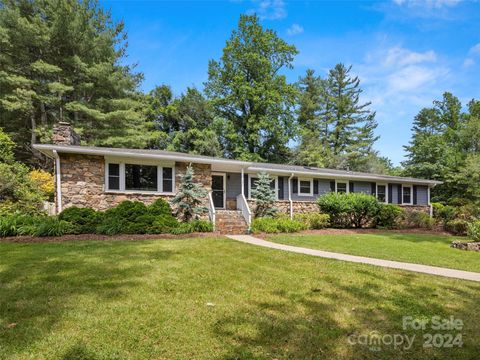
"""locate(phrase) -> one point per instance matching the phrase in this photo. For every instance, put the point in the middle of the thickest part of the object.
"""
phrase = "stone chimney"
(63, 134)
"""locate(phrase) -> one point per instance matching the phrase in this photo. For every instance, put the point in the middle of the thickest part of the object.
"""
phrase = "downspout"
(243, 183)
(290, 195)
(58, 181)
(429, 203)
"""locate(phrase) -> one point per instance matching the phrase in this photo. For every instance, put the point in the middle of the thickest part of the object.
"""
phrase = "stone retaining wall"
(83, 178)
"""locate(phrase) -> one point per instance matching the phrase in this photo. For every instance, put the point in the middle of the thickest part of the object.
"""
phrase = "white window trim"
(122, 189)
(311, 187)
(411, 194)
(274, 177)
(386, 191)
(347, 182)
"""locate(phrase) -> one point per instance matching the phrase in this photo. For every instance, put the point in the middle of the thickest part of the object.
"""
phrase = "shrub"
(85, 220)
(201, 226)
(473, 230)
(44, 182)
(417, 219)
(388, 216)
(183, 228)
(52, 226)
(277, 224)
(159, 207)
(14, 225)
(314, 220)
(349, 210)
(457, 226)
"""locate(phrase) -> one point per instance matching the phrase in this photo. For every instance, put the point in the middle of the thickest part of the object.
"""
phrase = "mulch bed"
(86, 237)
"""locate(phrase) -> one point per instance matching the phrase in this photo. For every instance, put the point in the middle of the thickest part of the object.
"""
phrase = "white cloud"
(401, 57)
(475, 49)
(270, 9)
(427, 3)
(468, 62)
(294, 29)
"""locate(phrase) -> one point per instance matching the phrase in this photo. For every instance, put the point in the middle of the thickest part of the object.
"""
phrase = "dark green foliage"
(337, 131)
(201, 226)
(250, 94)
(445, 146)
(457, 226)
(85, 220)
(473, 230)
(281, 224)
(264, 196)
(189, 197)
(52, 226)
(314, 220)
(349, 210)
(160, 207)
(417, 219)
(64, 60)
(388, 216)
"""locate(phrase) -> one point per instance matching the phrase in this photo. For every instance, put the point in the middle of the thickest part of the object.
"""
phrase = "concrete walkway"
(432, 270)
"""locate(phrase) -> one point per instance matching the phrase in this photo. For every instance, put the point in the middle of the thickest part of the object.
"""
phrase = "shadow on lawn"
(316, 322)
(40, 282)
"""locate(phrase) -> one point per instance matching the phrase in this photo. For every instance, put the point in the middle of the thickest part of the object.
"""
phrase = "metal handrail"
(211, 209)
(242, 205)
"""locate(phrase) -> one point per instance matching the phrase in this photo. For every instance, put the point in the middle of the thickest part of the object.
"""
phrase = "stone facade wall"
(422, 208)
(283, 206)
(83, 179)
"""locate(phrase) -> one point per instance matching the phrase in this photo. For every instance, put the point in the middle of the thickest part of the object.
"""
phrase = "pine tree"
(189, 198)
(337, 130)
(264, 196)
(61, 60)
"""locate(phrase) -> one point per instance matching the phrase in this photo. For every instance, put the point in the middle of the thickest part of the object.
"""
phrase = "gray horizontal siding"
(422, 195)
(362, 187)
(234, 185)
(395, 193)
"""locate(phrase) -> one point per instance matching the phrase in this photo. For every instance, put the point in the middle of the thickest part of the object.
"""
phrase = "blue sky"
(406, 52)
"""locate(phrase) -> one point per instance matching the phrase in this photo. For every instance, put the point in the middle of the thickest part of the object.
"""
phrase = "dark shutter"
(280, 188)
(374, 189)
(352, 188)
(414, 194)
(245, 185)
(315, 186)
(332, 186)
(390, 193)
(295, 185)
(400, 200)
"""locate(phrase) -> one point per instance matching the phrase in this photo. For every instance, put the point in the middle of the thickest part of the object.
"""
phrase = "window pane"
(114, 169)
(341, 187)
(140, 177)
(381, 193)
(167, 179)
(304, 187)
(113, 176)
(406, 195)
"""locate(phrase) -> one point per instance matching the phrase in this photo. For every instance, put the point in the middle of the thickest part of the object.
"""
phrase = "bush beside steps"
(129, 217)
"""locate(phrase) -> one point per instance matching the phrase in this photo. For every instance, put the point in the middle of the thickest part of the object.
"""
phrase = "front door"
(218, 190)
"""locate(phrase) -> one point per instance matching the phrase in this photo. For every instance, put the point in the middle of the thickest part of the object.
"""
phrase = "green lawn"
(213, 299)
(415, 248)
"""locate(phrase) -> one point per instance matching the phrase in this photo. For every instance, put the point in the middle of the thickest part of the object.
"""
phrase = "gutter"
(290, 195)
(58, 181)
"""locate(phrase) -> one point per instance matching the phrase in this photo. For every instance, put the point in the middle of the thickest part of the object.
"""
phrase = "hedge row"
(129, 217)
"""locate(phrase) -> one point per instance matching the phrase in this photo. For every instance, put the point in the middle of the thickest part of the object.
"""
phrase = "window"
(114, 176)
(342, 187)
(167, 178)
(305, 187)
(141, 177)
(382, 193)
(407, 195)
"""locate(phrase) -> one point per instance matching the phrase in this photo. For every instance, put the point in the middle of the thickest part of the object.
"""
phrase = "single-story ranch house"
(100, 178)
